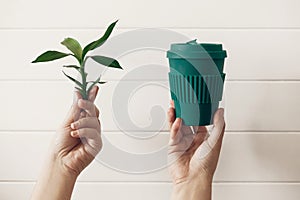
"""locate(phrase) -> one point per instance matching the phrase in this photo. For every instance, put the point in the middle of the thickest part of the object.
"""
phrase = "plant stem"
(84, 83)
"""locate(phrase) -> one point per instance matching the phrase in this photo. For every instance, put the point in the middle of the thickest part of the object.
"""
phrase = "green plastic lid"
(195, 50)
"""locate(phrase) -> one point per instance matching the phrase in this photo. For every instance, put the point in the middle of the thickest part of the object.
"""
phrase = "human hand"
(78, 139)
(76, 144)
(193, 155)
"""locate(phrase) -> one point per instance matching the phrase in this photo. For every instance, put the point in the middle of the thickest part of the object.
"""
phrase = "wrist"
(192, 190)
(58, 164)
(62, 170)
(54, 181)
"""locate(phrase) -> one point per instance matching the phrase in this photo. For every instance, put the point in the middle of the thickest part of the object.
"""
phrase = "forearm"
(192, 191)
(54, 183)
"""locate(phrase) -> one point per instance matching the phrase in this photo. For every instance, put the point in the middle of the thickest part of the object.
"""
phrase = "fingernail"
(73, 125)
(73, 133)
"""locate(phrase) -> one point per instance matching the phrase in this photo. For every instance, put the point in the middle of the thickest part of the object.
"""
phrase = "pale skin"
(77, 142)
(193, 157)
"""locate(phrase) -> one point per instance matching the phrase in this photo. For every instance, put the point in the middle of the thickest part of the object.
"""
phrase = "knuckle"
(97, 111)
(90, 105)
(85, 122)
(78, 124)
(96, 123)
(85, 104)
(79, 132)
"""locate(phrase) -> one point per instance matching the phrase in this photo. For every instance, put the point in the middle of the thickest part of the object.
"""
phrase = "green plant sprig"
(81, 56)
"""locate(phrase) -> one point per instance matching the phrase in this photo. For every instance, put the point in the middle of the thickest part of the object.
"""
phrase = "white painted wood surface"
(42, 105)
(156, 13)
(253, 157)
(260, 156)
(160, 191)
(253, 54)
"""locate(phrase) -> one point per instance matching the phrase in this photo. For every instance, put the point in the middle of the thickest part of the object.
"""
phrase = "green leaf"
(72, 66)
(74, 46)
(100, 82)
(95, 44)
(110, 62)
(72, 79)
(94, 83)
(80, 90)
(49, 56)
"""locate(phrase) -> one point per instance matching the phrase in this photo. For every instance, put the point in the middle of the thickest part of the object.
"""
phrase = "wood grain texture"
(160, 191)
(262, 54)
(231, 13)
(142, 105)
(260, 155)
(264, 157)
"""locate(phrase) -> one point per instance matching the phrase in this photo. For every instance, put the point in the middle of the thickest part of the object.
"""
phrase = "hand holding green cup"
(196, 80)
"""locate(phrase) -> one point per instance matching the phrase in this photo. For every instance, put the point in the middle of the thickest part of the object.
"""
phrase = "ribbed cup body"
(196, 81)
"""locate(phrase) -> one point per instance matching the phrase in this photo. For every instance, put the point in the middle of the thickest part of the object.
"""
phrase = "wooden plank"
(253, 157)
(136, 191)
(134, 13)
(141, 105)
(257, 57)
(256, 191)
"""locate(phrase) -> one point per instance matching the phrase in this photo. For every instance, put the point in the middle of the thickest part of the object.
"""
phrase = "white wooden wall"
(261, 152)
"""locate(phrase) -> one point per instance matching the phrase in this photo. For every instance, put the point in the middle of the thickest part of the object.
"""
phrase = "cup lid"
(192, 49)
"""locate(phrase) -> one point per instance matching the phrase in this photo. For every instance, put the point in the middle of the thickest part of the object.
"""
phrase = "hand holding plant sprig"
(81, 56)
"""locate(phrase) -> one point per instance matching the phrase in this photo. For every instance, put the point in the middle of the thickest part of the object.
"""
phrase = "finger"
(93, 93)
(175, 134)
(90, 138)
(87, 122)
(92, 97)
(171, 117)
(88, 107)
(97, 111)
(218, 129)
(83, 113)
(172, 104)
(89, 133)
(200, 134)
(217, 134)
(199, 129)
(175, 128)
(74, 111)
(76, 96)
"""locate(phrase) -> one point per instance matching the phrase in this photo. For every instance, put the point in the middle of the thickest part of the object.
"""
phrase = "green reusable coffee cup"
(196, 80)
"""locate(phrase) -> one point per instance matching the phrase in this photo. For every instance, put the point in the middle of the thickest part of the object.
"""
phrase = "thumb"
(74, 111)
